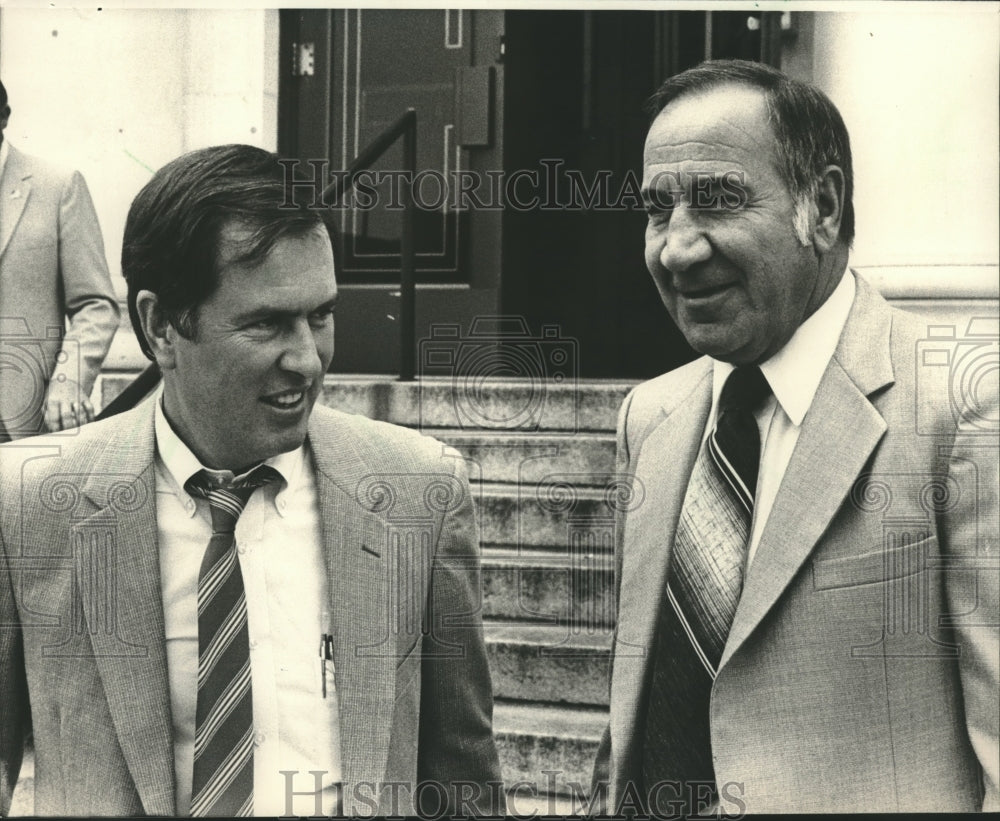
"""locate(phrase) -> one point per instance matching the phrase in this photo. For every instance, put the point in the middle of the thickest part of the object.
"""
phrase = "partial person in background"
(808, 595)
(52, 269)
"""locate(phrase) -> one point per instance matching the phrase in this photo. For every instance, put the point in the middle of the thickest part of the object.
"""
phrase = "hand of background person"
(66, 406)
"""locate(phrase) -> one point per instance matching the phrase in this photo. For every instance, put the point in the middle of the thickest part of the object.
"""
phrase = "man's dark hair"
(172, 244)
(809, 132)
(3, 96)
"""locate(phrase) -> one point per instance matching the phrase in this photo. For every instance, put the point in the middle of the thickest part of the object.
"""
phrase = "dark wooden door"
(367, 67)
(530, 102)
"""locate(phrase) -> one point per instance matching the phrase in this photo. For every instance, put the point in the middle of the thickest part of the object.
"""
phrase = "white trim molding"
(946, 282)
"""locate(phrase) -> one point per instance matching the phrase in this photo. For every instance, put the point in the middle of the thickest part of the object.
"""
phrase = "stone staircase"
(541, 459)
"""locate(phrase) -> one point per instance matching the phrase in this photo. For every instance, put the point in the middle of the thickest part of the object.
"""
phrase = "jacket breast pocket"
(889, 562)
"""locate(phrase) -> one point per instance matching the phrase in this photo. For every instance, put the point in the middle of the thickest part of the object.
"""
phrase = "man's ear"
(829, 209)
(4, 116)
(160, 334)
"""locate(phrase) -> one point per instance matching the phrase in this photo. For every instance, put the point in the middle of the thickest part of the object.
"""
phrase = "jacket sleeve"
(456, 708)
(89, 299)
(970, 541)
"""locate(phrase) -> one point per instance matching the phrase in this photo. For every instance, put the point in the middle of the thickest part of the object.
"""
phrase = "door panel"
(370, 66)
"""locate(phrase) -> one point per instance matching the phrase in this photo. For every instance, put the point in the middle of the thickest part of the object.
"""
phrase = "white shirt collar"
(181, 464)
(794, 372)
(4, 153)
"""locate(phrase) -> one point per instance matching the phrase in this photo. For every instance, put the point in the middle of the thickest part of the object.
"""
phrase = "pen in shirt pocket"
(325, 655)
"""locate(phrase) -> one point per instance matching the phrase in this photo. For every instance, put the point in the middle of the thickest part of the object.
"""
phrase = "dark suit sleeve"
(15, 715)
(89, 300)
(970, 540)
(456, 706)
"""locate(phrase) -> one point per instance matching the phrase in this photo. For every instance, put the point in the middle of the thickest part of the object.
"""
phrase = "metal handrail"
(405, 127)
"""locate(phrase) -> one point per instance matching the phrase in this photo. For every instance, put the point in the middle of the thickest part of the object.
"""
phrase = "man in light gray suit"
(52, 267)
(808, 593)
(228, 601)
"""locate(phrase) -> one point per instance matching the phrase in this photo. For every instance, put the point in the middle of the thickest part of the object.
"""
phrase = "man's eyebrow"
(273, 311)
(653, 198)
(329, 303)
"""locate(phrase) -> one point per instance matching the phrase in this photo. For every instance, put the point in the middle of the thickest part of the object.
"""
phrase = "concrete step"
(548, 663)
(535, 738)
(522, 803)
(553, 512)
(572, 589)
(519, 458)
(569, 405)
(499, 404)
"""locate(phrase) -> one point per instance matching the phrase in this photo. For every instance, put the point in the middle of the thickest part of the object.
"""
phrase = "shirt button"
(282, 505)
(253, 644)
(259, 739)
(241, 549)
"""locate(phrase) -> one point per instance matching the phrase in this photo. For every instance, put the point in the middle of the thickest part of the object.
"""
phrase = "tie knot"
(227, 502)
(745, 389)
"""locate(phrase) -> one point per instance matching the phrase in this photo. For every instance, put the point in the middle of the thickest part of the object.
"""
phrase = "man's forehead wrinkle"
(756, 140)
(661, 147)
(667, 169)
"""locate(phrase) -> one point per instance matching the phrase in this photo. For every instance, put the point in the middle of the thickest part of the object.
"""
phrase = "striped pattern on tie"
(705, 584)
(705, 580)
(222, 783)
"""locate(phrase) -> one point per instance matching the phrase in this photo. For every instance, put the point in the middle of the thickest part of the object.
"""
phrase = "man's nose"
(302, 351)
(685, 243)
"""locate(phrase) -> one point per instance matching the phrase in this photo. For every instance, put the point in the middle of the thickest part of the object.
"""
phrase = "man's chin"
(714, 345)
(274, 445)
(719, 342)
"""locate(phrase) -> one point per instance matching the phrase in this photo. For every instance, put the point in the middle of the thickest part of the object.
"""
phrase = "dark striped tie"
(705, 580)
(222, 784)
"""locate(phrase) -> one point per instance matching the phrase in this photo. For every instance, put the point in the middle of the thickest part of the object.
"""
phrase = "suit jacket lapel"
(15, 188)
(358, 575)
(116, 548)
(838, 434)
(671, 448)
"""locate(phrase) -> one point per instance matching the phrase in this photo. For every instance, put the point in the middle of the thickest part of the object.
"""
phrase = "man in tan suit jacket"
(52, 268)
(861, 669)
(358, 625)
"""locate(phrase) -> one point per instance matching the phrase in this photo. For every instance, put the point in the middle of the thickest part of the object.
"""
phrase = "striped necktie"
(222, 784)
(705, 580)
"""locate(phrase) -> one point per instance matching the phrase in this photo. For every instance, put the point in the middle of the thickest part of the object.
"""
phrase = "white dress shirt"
(794, 374)
(281, 556)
